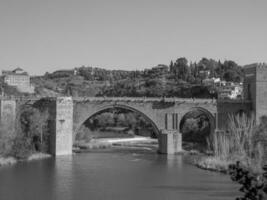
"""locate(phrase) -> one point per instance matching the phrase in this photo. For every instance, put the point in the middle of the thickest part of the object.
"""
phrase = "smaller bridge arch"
(205, 124)
(206, 112)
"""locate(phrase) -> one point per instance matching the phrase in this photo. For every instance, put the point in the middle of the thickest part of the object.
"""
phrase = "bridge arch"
(101, 109)
(202, 111)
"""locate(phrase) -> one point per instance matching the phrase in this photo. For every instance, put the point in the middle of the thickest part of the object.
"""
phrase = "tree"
(181, 69)
(172, 67)
(34, 127)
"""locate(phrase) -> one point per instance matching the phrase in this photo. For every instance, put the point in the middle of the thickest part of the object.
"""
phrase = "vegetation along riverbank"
(244, 142)
(22, 144)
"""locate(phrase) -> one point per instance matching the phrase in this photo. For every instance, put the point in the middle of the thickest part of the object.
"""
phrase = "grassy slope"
(73, 85)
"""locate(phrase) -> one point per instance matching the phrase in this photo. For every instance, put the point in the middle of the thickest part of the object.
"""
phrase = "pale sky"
(48, 35)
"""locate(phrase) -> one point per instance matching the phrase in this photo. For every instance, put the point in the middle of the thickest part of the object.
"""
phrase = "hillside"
(71, 85)
(179, 79)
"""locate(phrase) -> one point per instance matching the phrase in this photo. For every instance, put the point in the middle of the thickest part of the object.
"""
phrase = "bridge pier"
(170, 142)
(62, 127)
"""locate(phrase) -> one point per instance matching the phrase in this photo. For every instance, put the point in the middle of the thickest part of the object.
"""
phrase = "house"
(204, 74)
(211, 81)
(19, 79)
(161, 69)
(157, 70)
(230, 91)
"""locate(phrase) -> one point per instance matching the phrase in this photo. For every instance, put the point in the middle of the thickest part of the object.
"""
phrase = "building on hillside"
(224, 89)
(18, 78)
(230, 91)
(162, 69)
(158, 70)
(204, 74)
(211, 81)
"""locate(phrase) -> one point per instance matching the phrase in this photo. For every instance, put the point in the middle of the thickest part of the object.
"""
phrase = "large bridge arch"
(100, 109)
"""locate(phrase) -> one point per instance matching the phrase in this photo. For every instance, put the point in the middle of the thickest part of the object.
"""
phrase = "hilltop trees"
(180, 78)
(180, 69)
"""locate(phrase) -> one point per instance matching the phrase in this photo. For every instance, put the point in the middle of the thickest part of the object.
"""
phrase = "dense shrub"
(253, 187)
(34, 126)
(22, 148)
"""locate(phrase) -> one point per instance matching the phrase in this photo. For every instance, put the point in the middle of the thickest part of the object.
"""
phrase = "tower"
(255, 88)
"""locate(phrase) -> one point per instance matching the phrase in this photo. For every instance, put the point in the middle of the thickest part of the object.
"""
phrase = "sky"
(47, 35)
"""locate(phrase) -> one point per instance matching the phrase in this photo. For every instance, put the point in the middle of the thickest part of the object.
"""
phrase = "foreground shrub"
(253, 187)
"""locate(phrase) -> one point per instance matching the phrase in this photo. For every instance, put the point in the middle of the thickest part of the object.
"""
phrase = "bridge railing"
(144, 99)
(131, 99)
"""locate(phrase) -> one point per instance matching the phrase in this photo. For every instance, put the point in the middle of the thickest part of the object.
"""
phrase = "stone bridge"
(67, 114)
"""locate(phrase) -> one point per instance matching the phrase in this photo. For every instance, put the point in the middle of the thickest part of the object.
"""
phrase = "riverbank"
(212, 163)
(5, 161)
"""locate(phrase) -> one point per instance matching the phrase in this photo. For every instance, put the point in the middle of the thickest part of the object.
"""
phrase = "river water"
(119, 175)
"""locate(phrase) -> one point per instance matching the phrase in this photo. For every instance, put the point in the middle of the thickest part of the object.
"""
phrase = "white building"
(19, 79)
(230, 91)
(211, 81)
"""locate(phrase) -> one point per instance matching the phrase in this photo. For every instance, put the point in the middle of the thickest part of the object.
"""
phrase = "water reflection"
(117, 175)
(63, 179)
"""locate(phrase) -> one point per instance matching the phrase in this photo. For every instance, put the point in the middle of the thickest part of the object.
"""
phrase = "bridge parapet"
(144, 99)
(130, 99)
(22, 98)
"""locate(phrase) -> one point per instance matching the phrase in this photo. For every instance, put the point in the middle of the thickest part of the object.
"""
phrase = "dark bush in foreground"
(253, 187)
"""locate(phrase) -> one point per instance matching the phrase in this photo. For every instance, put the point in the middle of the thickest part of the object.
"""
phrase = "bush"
(34, 126)
(20, 143)
(22, 148)
(84, 133)
(5, 146)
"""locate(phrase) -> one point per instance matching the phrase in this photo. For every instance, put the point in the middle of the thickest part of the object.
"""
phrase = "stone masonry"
(66, 114)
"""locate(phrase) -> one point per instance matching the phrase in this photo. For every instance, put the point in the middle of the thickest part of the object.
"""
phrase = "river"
(118, 175)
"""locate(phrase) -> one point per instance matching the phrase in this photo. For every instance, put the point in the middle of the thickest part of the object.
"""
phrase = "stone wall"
(255, 88)
(261, 91)
(8, 113)
(227, 108)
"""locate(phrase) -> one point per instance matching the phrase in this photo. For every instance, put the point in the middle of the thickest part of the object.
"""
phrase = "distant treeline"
(180, 78)
(178, 70)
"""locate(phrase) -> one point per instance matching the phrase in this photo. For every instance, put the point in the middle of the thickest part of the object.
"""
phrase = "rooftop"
(17, 71)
